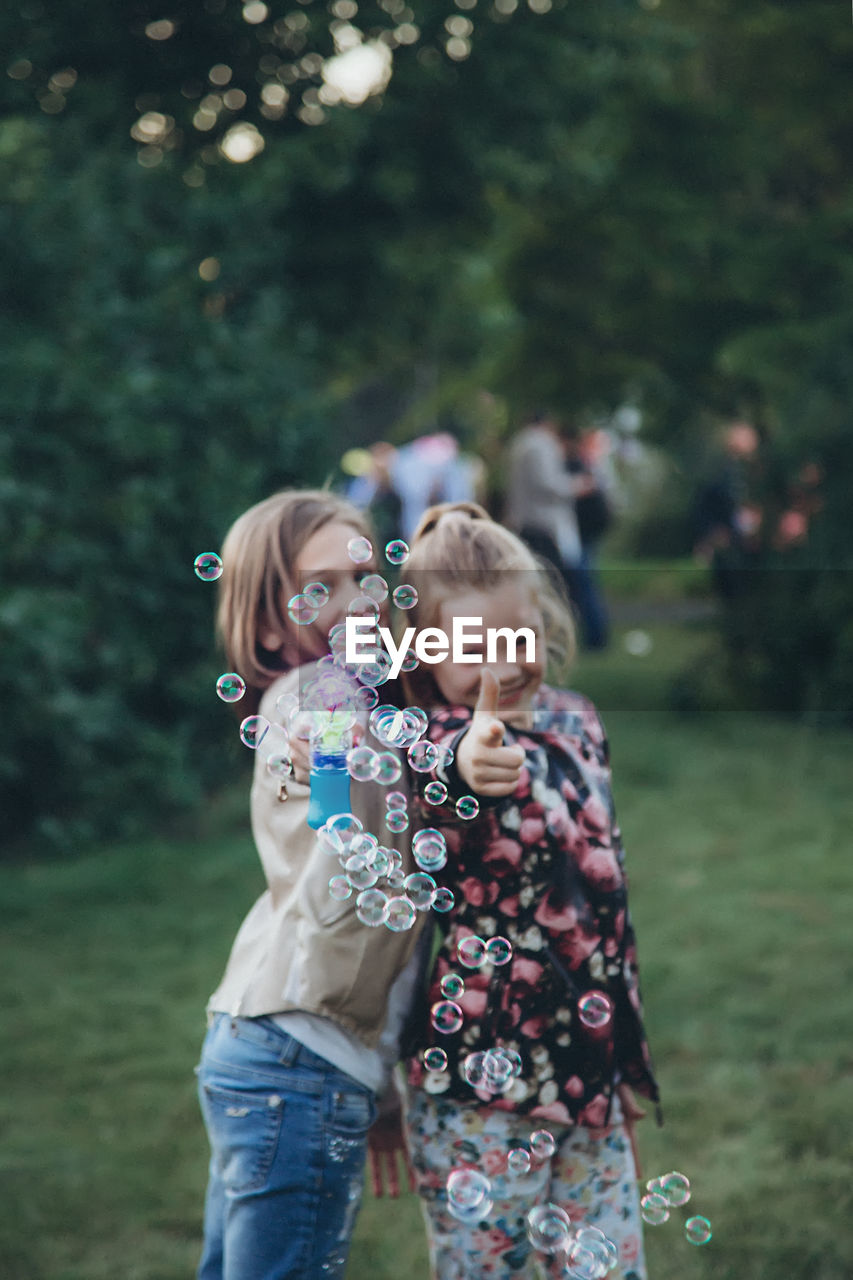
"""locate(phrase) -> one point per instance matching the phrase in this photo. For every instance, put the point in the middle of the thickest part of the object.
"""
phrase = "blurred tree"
(224, 222)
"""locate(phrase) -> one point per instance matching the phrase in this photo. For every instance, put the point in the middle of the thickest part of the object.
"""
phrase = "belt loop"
(289, 1051)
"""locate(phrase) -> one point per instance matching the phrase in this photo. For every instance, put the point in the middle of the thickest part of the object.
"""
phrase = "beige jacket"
(298, 947)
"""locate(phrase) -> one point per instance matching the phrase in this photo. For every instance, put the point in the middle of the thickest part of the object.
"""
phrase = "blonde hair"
(258, 577)
(458, 547)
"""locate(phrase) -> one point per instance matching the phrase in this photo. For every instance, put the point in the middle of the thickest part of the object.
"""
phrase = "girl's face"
(511, 605)
(324, 558)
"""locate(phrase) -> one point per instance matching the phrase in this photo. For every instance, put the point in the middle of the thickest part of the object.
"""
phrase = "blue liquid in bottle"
(330, 784)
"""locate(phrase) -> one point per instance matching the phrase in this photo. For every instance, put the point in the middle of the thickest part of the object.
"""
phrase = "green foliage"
(142, 416)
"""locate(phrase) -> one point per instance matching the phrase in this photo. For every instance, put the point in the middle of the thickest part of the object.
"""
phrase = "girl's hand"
(386, 1146)
(300, 759)
(488, 767)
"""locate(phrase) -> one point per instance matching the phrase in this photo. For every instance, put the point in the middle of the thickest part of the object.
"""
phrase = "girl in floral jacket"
(538, 879)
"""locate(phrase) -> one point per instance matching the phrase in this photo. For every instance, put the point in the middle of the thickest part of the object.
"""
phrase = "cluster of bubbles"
(385, 894)
(587, 1253)
(492, 1071)
(474, 952)
(668, 1192)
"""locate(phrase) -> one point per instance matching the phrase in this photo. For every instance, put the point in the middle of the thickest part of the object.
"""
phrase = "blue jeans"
(288, 1135)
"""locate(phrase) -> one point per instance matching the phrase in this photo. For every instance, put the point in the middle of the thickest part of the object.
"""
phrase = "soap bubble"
(518, 1161)
(396, 800)
(472, 1068)
(497, 1070)
(542, 1144)
(423, 756)
(409, 661)
(362, 764)
(388, 724)
(396, 551)
(467, 807)
(428, 837)
(417, 720)
(318, 592)
(471, 952)
(435, 792)
(208, 566)
(371, 907)
(430, 855)
(338, 637)
(302, 610)
(435, 1059)
(499, 951)
(337, 833)
(230, 686)
(448, 755)
(595, 1009)
(467, 1188)
(395, 728)
(675, 1188)
(515, 1058)
(588, 1257)
(395, 878)
(375, 586)
(388, 768)
(279, 766)
(340, 888)
(654, 1208)
(375, 672)
(421, 889)
(452, 986)
(363, 607)
(401, 914)
(360, 873)
(405, 596)
(253, 730)
(471, 1217)
(366, 697)
(697, 1230)
(380, 860)
(548, 1228)
(443, 900)
(446, 1016)
(396, 820)
(359, 550)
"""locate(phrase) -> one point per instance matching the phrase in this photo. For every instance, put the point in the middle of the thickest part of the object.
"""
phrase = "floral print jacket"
(543, 868)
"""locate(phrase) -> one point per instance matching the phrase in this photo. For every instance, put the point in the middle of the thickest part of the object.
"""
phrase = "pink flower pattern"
(543, 867)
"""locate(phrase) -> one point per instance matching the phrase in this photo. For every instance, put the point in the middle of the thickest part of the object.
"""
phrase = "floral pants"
(591, 1175)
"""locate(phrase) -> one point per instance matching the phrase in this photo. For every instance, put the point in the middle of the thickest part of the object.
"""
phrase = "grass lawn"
(738, 832)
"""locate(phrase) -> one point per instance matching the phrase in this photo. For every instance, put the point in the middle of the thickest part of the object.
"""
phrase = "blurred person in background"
(397, 485)
(725, 522)
(584, 453)
(541, 501)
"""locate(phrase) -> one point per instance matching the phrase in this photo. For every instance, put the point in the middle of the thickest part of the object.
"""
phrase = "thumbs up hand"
(485, 764)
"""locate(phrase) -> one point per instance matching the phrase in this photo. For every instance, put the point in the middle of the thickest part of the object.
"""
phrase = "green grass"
(737, 831)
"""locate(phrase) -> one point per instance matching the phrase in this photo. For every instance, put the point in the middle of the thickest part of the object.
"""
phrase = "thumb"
(489, 695)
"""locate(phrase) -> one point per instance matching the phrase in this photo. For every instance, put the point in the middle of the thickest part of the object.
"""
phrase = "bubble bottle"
(330, 778)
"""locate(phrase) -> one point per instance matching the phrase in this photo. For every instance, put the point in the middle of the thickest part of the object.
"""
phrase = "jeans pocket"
(351, 1111)
(244, 1127)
